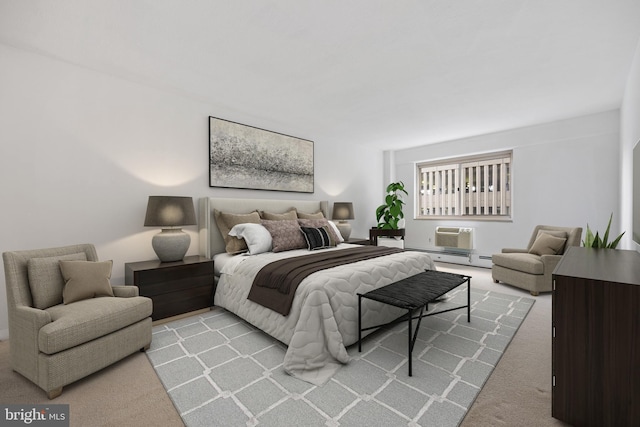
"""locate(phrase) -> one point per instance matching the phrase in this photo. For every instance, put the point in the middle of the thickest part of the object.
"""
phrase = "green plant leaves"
(389, 213)
(395, 187)
(591, 241)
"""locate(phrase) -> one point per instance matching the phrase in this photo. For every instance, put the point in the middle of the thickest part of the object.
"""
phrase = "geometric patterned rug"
(221, 371)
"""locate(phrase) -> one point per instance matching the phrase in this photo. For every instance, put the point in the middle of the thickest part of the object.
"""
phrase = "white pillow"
(257, 237)
(335, 228)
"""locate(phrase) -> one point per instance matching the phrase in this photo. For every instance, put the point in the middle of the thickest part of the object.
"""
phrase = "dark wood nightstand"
(375, 232)
(358, 241)
(175, 287)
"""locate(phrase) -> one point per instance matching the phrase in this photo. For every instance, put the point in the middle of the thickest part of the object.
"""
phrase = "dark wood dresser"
(596, 338)
(175, 287)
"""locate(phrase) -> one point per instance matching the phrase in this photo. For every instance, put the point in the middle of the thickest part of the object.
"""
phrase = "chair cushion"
(546, 244)
(85, 279)
(83, 321)
(555, 233)
(45, 279)
(525, 262)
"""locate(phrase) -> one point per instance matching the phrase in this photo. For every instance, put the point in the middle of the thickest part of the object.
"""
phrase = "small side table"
(175, 287)
(357, 241)
(374, 233)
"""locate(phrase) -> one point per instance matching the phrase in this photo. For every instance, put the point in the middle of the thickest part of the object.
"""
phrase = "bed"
(323, 318)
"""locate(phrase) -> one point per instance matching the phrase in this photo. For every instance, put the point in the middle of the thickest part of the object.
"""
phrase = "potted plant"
(591, 241)
(390, 213)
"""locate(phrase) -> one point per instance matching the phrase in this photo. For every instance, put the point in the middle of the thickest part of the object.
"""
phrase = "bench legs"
(359, 323)
(412, 335)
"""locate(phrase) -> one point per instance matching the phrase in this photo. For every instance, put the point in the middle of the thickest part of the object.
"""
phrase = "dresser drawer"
(183, 284)
(175, 287)
(173, 274)
(168, 305)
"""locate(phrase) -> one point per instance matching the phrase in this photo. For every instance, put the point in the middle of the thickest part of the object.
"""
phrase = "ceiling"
(386, 74)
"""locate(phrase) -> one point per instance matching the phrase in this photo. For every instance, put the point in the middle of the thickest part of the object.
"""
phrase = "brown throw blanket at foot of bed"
(275, 284)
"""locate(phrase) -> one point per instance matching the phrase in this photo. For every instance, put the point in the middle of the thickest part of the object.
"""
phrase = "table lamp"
(342, 211)
(170, 213)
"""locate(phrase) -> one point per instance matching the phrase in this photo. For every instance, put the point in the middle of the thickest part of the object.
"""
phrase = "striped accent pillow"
(317, 238)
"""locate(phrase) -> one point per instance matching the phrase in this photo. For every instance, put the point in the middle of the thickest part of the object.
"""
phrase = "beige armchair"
(54, 344)
(531, 268)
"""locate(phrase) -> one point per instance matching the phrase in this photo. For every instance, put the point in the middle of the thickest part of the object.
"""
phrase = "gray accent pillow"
(546, 244)
(86, 279)
(554, 233)
(45, 279)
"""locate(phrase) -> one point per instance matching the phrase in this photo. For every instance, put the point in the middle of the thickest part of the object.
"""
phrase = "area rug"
(221, 371)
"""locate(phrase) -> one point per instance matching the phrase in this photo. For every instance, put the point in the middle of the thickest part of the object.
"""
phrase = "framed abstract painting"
(242, 156)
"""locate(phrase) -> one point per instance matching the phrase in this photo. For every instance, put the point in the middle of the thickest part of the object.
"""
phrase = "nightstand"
(358, 241)
(175, 287)
(375, 232)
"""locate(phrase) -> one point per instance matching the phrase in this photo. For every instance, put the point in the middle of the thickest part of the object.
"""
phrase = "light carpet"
(220, 370)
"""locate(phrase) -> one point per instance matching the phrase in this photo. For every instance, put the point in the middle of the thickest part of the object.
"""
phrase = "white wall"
(80, 152)
(629, 136)
(564, 173)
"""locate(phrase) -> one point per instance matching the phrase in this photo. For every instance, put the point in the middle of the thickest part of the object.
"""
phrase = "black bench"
(412, 293)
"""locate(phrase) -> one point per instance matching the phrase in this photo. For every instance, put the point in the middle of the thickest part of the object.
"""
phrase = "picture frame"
(247, 157)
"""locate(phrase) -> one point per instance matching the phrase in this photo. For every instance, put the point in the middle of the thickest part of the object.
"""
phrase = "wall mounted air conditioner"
(455, 237)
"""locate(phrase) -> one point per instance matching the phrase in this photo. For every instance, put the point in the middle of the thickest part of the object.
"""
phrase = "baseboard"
(4, 334)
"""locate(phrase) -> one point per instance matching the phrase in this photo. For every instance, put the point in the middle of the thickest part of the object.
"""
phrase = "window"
(478, 186)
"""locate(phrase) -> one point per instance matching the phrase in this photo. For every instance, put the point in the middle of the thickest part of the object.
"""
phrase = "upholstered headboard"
(211, 241)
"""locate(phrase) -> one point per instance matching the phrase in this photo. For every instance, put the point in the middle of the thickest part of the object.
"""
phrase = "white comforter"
(324, 316)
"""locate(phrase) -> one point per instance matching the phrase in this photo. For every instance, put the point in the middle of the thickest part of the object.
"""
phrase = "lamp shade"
(169, 211)
(342, 211)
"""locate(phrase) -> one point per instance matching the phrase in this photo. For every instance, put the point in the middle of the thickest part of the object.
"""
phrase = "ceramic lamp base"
(345, 229)
(171, 244)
